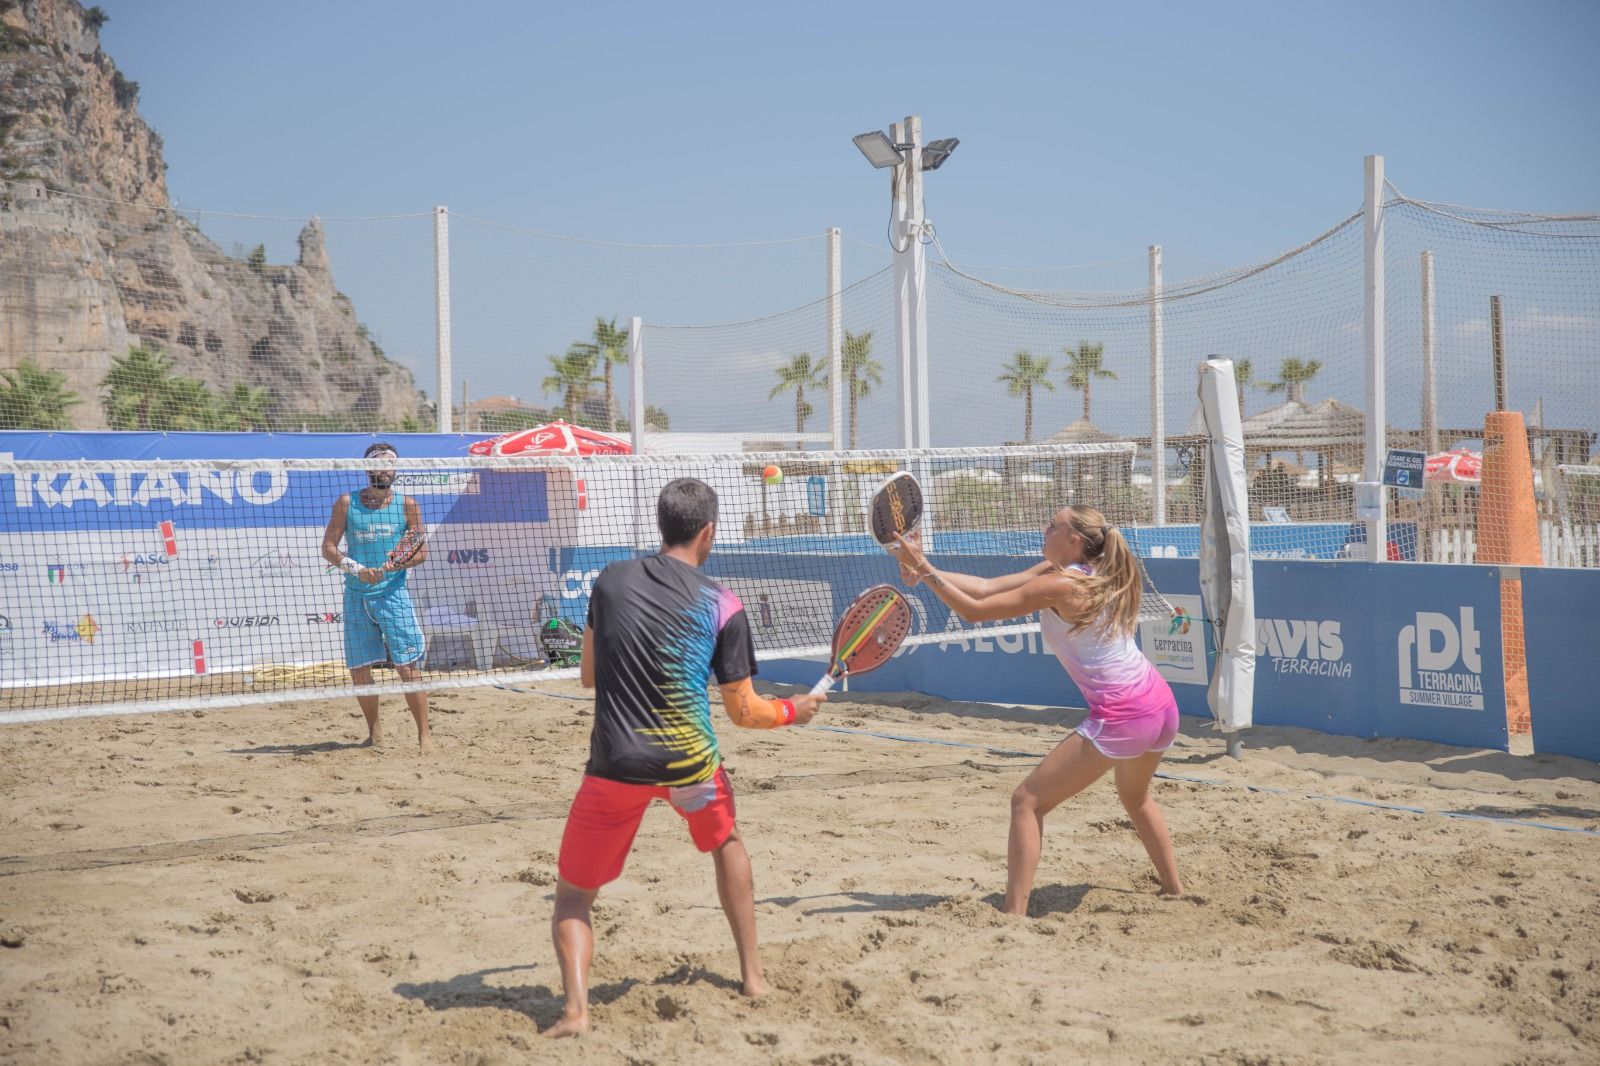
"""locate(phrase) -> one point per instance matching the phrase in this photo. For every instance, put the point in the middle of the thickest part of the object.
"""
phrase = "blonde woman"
(1086, 592)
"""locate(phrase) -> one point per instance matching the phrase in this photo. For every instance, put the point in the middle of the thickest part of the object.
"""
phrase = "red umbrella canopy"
(553, 438)
(1463, 465)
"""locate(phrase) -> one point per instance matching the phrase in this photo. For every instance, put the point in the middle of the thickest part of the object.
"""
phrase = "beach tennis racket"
(896, 510)
(406, 549)
(869, 633)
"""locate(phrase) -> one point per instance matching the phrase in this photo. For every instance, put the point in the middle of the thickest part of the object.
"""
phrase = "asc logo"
(468, 557)
(136, 566)
(1441, 664)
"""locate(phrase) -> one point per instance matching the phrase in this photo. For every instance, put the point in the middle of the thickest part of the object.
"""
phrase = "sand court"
(250, 886)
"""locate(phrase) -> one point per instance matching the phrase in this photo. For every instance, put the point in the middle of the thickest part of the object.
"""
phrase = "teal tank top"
(369, 536)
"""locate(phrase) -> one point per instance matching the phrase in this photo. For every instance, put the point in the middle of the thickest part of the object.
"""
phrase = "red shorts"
(605, 816)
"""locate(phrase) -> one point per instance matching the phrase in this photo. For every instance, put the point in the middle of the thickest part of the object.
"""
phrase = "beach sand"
(250, 886)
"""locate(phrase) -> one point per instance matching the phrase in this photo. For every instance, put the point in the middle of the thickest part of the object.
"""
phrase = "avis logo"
(1302, 647)
(468, 556)
(1441, 664)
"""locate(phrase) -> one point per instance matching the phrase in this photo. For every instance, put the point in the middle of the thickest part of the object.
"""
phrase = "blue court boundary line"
(1186, 778)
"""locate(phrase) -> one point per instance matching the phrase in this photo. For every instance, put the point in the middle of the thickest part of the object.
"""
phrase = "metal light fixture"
(934, 153)
(879, 149)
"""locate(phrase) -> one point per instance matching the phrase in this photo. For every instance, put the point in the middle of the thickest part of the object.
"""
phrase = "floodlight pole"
(1158, 425)
(902, 243)
(441, 310)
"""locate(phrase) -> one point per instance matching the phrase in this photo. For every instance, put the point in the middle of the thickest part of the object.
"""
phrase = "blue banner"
(1558, 618)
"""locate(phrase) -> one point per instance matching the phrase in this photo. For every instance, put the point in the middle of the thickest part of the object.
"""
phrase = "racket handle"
(824, 686)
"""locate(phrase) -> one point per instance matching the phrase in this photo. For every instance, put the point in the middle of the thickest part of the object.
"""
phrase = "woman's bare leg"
(1072, 766)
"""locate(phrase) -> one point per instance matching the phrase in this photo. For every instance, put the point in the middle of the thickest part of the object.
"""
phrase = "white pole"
(919, 284)
(636, 417)
(903, 242)
(835, 340)
(1430, 412)
(441, 310)
(1158, 421)
(636, 369)
(1372, 470)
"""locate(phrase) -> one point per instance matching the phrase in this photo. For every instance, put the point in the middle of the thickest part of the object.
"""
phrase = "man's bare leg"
(736, 889)
(362, 675)
(574, 940)
(418, 702)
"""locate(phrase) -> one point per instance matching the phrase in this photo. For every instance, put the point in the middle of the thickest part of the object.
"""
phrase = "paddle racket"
(896, 510)
(868, 634)
(406, 549)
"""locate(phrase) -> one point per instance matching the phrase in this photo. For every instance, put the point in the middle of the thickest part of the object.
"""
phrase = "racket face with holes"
(409, 544)
(896, 509)
(871, 630)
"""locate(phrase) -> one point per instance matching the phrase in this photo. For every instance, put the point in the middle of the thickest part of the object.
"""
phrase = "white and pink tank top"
(1104, 663)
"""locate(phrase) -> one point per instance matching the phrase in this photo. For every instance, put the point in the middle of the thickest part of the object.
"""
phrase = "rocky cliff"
(93, 259)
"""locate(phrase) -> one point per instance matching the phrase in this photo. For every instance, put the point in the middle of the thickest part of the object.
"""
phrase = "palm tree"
(185, 404)
(1243, 375)
(134, 386)
(799, 372)
(1084, 366)
(35, 399)
(1021, 376)
(574, 376)
(246, 408)
(611, 348)
(1292, 378)
(861, 372)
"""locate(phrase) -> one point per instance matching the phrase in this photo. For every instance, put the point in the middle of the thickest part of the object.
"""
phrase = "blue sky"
(1226, 131)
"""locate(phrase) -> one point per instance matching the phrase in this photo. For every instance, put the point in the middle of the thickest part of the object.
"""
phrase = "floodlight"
(936, 152)
(880, 150)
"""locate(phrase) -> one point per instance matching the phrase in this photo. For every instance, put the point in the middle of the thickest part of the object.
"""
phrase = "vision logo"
(249, 621)
(1302, 647)
(1441, 664)
(468, 557)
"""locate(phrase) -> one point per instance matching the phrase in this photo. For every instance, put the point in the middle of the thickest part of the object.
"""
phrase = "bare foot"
(568, 1025)
(425, 744)
(1175, 893)
(756, 987)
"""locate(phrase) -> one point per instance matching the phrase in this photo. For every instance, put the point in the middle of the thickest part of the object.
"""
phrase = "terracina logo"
(1180, 622)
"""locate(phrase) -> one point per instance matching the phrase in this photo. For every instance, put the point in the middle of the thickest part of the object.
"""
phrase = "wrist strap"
(786, 708)
(350, 566)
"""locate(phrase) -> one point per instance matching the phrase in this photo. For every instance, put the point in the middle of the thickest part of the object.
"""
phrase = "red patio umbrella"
(553, 438)
(1462, 465)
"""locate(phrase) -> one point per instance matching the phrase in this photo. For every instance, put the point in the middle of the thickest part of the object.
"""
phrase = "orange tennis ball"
(772, 476)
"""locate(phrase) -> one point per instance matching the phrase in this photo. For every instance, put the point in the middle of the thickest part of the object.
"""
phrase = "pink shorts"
(1139, 721)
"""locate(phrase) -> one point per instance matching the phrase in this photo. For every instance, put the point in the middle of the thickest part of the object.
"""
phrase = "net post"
(636, 417)
(835, 349)
(1158, 424)
(441, 310)
(1373, 326)
(835, 340)
(1497, 335)
(1430, 415)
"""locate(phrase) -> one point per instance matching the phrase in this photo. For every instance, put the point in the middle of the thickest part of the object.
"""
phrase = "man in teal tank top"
(380, 623)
